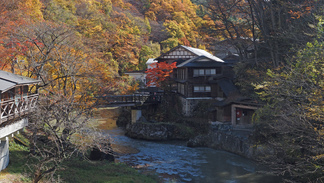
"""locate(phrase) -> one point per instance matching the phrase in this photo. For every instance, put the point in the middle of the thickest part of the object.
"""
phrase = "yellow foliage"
(33, 9)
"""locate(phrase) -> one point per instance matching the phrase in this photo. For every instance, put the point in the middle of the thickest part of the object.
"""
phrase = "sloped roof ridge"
(17, 79)
(200, 52)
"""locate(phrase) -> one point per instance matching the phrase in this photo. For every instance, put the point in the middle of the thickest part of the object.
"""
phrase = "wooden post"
(233, 112)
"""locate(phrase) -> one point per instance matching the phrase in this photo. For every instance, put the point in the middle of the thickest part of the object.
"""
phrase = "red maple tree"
(158, 75)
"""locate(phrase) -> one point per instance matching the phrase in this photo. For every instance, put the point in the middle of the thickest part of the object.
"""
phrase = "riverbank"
(75, 170)
(173, 161)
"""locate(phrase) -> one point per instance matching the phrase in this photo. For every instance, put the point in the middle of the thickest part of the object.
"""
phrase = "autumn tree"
(284, 24)
(14, 14)
(179, 19)
(231, 21)
(264, 33)
(151, 50)
(274, 26)
(55, 55)
(159, 75)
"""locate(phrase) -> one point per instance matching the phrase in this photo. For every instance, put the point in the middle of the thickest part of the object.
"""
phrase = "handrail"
(13, 108)
(135, 98)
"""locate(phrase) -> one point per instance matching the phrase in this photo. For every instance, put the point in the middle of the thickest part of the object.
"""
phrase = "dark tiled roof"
(194, 62)
(180, 60)
(227, 86)
(204, 64)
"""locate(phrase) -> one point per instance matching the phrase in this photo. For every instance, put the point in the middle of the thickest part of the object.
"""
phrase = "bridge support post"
(136, 114)
(4, 153)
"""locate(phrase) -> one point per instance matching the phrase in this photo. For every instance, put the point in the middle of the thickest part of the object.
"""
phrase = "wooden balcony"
(15, 108)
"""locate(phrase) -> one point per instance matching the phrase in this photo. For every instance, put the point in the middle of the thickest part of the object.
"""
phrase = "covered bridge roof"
(9, 80)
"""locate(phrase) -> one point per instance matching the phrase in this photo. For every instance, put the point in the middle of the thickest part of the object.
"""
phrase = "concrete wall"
(5, 133)
(136, 114)
(4, 153)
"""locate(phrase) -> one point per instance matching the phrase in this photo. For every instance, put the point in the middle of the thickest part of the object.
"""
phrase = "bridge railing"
(135, 98)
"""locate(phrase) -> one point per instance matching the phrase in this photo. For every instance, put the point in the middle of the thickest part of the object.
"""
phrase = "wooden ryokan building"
(201, 76)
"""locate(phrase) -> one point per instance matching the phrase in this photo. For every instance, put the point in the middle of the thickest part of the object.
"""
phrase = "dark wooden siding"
(214, 89)
(189, 81)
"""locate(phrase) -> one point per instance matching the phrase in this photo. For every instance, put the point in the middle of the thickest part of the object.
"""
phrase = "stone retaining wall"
(230, 140)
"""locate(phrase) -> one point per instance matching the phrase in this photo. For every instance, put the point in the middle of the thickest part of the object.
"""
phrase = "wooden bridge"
(135, 101)
(130, 100)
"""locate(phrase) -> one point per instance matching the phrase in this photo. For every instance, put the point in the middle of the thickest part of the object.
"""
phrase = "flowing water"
(174, 162)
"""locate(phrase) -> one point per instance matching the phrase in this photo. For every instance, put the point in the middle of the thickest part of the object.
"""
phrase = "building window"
(195, 72)
(201, 72)
(204, 72)
(202, 89)
(210, 71)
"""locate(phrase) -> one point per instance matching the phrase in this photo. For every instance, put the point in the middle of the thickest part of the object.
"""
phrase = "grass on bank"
(102, 172)
(74, 170)
(17, 169)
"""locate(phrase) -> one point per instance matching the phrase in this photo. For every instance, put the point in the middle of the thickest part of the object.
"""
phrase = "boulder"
(96, 155)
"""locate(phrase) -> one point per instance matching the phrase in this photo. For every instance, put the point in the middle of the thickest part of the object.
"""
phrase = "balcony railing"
(15, 108)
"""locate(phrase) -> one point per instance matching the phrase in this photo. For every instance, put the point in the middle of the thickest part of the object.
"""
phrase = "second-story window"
(204, 72)
(210, 71)
(202, 89)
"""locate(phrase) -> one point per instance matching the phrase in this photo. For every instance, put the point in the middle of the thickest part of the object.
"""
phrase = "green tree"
(291, 123)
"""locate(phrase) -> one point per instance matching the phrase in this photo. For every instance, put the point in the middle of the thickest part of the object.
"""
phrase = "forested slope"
(81, 48)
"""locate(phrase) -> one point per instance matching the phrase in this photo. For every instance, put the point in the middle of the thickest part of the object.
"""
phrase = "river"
(174, 162)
